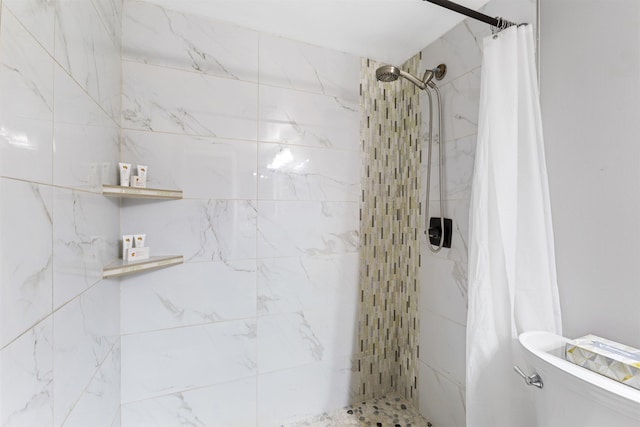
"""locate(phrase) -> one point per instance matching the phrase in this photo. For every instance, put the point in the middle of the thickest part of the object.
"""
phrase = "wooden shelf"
(141, 193)
(124, 268)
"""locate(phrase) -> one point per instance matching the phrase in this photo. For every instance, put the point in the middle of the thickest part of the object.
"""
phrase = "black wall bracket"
(436, 232)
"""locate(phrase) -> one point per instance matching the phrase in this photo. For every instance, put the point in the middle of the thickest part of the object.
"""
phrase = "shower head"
(390, 73)
(387, 73)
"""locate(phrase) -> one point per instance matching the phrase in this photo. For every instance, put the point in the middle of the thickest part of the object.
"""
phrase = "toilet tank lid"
(550, 348)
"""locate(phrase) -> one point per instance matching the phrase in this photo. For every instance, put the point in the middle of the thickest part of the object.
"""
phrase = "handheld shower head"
(390, 73)
(387, 73)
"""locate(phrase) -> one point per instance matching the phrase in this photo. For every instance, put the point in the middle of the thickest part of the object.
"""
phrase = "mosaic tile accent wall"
(390, 215)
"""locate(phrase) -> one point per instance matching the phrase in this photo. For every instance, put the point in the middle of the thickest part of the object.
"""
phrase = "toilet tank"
(572, 395)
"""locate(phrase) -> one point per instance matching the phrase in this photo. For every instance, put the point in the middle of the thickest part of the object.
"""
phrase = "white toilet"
(572, 395)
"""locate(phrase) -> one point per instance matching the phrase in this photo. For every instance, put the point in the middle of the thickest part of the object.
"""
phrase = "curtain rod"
(470, 13)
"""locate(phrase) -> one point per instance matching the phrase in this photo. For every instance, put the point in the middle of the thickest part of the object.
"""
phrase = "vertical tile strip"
(389, 223)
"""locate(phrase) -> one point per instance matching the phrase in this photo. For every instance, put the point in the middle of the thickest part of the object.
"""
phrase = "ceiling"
(386, 30)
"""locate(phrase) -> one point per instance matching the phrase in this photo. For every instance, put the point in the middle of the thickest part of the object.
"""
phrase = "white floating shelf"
(123, 268)
(140, 193)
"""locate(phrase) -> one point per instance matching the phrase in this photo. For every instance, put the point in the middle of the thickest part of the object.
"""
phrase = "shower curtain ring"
(495, 29)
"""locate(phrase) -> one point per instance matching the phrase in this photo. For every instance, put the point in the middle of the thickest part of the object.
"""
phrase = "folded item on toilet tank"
(609, 358)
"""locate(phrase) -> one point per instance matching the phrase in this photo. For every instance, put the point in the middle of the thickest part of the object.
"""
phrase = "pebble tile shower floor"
(386, 411)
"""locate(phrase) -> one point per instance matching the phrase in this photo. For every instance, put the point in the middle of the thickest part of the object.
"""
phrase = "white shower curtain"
(512, 274)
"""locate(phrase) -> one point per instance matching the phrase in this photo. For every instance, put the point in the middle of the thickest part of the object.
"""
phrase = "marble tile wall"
(443, 276)
(261, 134)
(59, 141)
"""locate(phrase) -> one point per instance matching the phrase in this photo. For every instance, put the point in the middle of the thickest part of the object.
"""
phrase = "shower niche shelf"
(141, 193)
(124, 268)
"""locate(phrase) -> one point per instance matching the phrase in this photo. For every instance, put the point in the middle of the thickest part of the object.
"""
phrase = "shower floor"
(386, 411)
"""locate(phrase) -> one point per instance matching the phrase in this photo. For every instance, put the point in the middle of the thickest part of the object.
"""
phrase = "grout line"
(200, 73)
(200, 387)
(218, 140)
(537, 41)
(193, 325)
(441, 315)
(443, 374)
(52, 312)
(257, 207)
(86, 387)
(465, 74)
(120, 203)
(241, 140)
(53, 111)
(105, 26)
(51, 55)
(252, 82)
(97, 191)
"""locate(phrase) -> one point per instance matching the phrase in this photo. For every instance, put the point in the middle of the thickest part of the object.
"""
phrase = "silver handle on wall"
(533, 379)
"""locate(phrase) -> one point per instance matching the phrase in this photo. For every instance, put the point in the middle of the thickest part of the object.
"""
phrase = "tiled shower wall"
(443, 277)
(389, 222)
(259, 325)
(59, 125)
